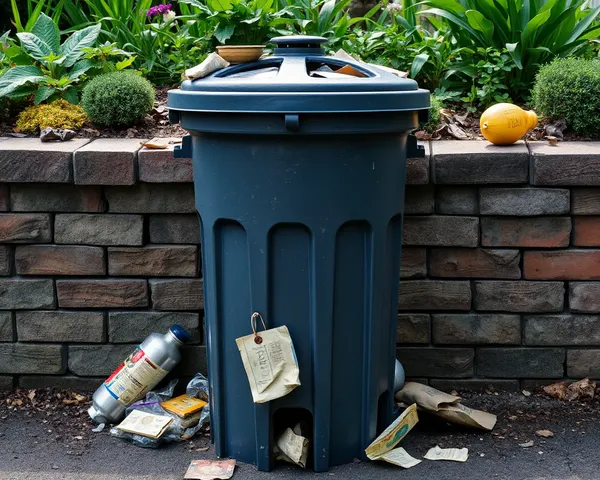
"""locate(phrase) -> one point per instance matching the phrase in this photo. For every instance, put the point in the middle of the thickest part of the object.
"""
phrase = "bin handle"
(257, 338)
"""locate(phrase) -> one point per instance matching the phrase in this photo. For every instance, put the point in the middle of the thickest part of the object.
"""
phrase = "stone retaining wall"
(98, 247)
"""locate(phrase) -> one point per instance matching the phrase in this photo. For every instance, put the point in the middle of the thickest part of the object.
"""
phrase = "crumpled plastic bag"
(152, 404)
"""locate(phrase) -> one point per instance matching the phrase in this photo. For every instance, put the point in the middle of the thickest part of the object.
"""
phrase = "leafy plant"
(323, 18)
(239, 22)
(434, 116)
(102, 56)
(118, 99)
(55, 69)
(58, 114)
(532, 31)
(33, 10)
(570, 89)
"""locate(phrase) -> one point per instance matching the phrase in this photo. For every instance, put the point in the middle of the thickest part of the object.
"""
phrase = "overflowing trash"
(182, 417)
(292, 446)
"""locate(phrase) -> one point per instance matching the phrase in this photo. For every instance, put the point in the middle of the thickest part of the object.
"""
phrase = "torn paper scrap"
(451, 454)
(211, 64)
(145, 424)
(271, 365)
(210, 469)
(293, 447)
(445, 406)
(393, 434)
(399, 456)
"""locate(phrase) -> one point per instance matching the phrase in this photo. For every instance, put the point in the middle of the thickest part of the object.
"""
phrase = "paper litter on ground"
(451, 454)
(445, 406)
(399, 456)
(210, 469)
(393, 434)
(145, 424)
(292, 447)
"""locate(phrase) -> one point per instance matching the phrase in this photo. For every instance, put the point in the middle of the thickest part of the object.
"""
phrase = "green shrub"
(118, 99)
(570, 89)
(58, 114)
(434, 116)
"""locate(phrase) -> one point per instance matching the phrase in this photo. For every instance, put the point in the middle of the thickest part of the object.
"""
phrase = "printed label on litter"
(393, 434)
(271, 365)
(135, 377)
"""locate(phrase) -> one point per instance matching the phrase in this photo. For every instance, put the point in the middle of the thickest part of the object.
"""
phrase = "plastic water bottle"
(138, 374)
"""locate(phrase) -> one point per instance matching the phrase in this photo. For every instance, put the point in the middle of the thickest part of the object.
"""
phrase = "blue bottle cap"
(180, 333)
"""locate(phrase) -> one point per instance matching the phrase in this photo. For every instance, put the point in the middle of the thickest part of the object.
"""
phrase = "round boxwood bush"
(118, 99)
(569, 89)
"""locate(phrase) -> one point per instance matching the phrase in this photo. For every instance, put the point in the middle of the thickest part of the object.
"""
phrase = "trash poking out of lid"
(267, 72)
(343, 55)
(211, 64)
(346, 71)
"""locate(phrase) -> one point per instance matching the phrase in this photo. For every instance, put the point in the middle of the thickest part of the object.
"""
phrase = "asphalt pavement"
(29, 450)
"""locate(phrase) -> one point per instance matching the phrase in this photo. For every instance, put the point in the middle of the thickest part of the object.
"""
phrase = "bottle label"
(135, 377)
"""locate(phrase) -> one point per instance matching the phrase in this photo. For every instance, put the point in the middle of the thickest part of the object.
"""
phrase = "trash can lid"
(300, 78)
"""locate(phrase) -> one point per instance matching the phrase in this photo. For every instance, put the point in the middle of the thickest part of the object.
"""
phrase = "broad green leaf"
(71, 96)
(515, 53)
(455, 20)
(417, 64)
(123, 64)
(324, 16)
(479, 22)
(80, 68)
(220, 5)
(34, 45)
(450, 5)
(583, 25)
(73, 46)
(46, 30)
(43, 94)
(33, 16)
(18, 76)
(224, 32)
(532, 27)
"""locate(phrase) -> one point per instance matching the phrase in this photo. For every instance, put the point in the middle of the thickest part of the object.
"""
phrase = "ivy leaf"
(73, 46)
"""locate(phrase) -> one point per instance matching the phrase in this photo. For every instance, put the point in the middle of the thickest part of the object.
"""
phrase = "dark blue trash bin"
(299, 184)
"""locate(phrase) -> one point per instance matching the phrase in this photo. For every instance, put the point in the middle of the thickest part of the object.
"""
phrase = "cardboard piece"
(445, 406)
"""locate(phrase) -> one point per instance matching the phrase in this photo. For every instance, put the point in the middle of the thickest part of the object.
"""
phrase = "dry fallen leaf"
(527, 393)
(202, 449)
(582, 389)
(544, 433)
(557, 390)
(526, 444)
(31, 394)
(553, 141)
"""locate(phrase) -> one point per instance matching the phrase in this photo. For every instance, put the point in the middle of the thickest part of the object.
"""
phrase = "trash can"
(299, 174)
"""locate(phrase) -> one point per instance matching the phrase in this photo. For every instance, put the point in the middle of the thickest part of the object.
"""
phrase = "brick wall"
(98, 247)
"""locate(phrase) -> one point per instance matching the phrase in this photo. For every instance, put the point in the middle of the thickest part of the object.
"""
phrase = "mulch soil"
(456, 125)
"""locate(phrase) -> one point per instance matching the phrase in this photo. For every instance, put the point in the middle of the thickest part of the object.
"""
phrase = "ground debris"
(580, 390)
(526, 444)
(544, 433)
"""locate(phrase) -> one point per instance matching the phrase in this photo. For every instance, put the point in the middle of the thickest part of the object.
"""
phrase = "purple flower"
(159, 10)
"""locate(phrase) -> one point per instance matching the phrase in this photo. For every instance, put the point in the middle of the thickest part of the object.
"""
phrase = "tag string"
(257, 337)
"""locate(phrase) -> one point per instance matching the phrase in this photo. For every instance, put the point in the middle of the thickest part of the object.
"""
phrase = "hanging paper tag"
(270, 362)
